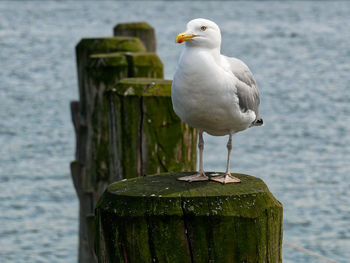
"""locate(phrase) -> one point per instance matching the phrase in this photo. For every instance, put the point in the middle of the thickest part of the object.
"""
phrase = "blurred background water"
(299, 53)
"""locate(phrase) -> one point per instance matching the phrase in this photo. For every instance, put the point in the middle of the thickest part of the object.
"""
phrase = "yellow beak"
(184, 37)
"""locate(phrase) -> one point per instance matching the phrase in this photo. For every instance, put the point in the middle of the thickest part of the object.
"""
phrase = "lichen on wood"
(146, 65)
(150, 137)
(110, 44)
(141, 30)
(133, 26)
(144, 87)
(104, 71)
(91, 169)
(89, 46)
(172, 221)
(102, 63)
(100, 70)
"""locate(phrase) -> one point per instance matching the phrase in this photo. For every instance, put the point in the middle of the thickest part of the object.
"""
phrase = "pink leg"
(200, 176)
(227, 177)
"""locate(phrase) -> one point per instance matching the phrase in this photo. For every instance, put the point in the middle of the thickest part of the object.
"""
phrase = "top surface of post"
(162, 194)
(110, 44)
(141, 30)
(134, 26)
(143, 87)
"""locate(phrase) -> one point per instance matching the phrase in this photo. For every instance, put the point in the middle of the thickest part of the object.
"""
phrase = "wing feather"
(247, 90)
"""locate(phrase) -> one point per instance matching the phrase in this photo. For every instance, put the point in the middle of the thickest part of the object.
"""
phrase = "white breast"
(204, 95)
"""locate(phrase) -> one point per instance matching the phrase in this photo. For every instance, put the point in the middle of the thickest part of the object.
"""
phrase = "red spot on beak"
(180, 41)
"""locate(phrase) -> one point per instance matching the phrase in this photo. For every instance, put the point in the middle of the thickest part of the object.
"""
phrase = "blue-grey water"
(300, 55)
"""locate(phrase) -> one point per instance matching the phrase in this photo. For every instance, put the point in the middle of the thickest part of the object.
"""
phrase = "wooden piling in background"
(146, 131)
(85, 171)
(108, 121)
(141, 30)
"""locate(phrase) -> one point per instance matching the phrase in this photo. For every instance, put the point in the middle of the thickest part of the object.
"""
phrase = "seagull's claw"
(194, 178)
(225, 179)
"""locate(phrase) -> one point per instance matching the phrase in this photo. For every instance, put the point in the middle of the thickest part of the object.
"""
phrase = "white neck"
(214, 52)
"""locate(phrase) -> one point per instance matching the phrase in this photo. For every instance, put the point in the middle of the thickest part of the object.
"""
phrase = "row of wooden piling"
(124, 122)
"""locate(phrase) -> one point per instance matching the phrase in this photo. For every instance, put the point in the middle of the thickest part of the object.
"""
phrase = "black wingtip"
(259, 122)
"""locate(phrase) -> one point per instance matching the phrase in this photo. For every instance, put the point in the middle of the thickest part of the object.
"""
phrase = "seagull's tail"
(258, 122)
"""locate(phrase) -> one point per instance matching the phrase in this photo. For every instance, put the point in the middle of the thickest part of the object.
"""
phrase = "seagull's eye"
(203, 28)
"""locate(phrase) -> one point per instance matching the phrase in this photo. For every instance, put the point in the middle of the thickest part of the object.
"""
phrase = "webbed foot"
(225, 179)
(194, 178)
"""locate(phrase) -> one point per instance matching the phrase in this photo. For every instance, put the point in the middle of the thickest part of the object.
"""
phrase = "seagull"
(213, 93)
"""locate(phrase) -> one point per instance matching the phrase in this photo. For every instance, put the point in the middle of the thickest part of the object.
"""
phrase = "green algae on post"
(102, 157)
(141, 115)
(91, 172)
(142, 30)
(181, 222)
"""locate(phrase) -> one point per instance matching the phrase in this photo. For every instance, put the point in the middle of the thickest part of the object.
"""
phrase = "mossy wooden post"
(102, 63)
(147, 136)
(141, 30)
(84, 112)
(160, 219)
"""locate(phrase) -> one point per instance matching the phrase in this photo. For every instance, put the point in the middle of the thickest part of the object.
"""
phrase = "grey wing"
(247, 90)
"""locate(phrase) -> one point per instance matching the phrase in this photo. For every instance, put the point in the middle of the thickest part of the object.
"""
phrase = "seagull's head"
(201, 32)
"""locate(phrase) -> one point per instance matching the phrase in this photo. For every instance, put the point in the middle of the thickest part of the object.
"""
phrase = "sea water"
(299, 53)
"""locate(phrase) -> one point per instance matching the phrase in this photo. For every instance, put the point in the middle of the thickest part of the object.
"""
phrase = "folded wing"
(247, 90)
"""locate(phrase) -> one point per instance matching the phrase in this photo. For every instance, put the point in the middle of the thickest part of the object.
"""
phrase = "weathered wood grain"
(148, 137)
(141, 30)
(159, 219)
(101, 64)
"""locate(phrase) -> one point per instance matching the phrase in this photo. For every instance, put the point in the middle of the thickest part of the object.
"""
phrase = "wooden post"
(102, 63)
(84, 112)
(103, 76)
(141, 30)
(160, 219)
(90, 46)
(146, 135)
